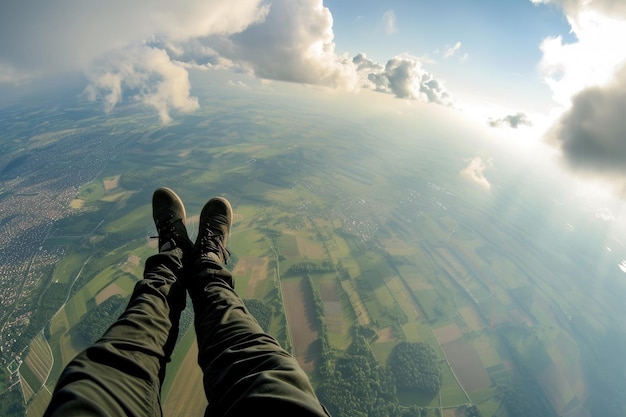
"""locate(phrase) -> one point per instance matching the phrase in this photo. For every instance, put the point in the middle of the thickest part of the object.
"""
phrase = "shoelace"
(212, 242)
(165, 227)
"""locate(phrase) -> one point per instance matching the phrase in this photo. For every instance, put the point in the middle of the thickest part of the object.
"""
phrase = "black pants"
(245, 370)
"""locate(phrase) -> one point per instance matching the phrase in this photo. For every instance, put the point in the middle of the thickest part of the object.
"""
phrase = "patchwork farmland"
(347, 262)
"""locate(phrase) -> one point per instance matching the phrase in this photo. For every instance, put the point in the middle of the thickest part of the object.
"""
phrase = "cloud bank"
(110, 42)
(141, 51)
(39, 35)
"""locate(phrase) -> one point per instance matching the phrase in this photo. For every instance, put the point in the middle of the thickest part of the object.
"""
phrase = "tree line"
(308, 267)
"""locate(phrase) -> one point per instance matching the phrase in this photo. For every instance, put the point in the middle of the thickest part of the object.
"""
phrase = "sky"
(549, 71)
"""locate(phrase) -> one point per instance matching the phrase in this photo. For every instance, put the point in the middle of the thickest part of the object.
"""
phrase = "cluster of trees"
(523, 398)
(98, 319)
(415, 366)
(361, 387)
(310, 268)
(470, 411)
(261, 312)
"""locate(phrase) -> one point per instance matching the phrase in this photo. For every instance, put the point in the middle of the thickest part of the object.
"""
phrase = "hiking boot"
(168, 212)
(214, 228)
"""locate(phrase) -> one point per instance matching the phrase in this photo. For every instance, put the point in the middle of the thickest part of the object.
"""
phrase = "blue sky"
(543, 71)
(488, 29)
(500, 41)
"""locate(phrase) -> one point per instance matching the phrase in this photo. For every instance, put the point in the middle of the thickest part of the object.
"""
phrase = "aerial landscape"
(415, 263)
(376, 256)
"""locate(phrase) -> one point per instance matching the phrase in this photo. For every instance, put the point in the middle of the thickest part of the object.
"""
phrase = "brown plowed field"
(256, 268)
(108, 292)
(299, 308)
(467, 365)
(447, 333)
(332, 307)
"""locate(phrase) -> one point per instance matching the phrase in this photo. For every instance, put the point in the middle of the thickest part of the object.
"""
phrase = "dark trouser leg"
(121, 374)
(244, 368)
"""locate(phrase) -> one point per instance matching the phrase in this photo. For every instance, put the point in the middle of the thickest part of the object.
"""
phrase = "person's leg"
(244, 368)
(121, 374)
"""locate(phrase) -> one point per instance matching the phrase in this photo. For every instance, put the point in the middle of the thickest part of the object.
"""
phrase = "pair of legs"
(245, 370)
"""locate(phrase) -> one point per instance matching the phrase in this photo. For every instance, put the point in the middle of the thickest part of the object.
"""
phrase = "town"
(37, 185)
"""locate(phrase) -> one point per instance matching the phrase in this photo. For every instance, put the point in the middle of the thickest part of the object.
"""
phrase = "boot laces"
(211, 242)
(166, 228)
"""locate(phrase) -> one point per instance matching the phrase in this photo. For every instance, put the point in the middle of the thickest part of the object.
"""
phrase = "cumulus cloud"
(294, 43)
(595, 56)
(591, 133)
(364, 64)
(389, 22)
(142, 50)
(512, 120)
(402, 76)
(158, 81)
(474, 172)
(588, 79)
(111, 40)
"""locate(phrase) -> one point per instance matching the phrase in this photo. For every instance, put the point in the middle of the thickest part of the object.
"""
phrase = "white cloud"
(142, 50)
(474, 171)
(158, 81)
(591, 133)
(574, 7)
(294, 43)
(402, 76)
(364, 64)
(590, 61)
(588, 80)
(111, 40)
(389, 22)
(595, 56)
